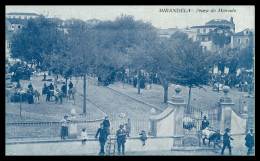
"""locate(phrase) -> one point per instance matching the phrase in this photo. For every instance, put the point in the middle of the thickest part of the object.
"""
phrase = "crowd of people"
(244, 81)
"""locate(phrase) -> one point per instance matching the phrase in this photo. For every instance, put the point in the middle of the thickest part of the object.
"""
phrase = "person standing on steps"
(64, 127)
(106, 125)
(121, 139)
(102, 138)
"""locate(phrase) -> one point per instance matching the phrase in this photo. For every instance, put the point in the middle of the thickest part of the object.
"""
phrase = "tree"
(191, 64)
(37, 37)
(221, 36)
(162, 62)
(74, 54)
(246, 57)
(126, 42)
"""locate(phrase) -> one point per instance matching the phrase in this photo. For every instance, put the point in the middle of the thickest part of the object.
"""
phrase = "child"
(143, 137)
(84, 136)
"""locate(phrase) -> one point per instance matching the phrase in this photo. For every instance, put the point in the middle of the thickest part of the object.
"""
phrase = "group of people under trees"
(243, 81)
(58, 94)
(127, 78)
(227, 138)
(30, 95)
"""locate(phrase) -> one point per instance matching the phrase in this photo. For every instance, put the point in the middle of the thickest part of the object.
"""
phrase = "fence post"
(226, 105)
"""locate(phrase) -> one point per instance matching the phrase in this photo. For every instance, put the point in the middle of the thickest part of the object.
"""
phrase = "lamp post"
(20, 105)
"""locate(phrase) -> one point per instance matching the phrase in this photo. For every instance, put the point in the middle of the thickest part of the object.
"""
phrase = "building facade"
(242, 39)
(203, 33)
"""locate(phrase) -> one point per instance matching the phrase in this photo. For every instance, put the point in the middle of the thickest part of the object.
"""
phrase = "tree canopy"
(221, 36)
(38, 36)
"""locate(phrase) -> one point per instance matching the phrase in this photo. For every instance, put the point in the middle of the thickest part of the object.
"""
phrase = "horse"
(211, 135)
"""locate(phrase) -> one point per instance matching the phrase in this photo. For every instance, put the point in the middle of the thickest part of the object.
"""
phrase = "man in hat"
(102, 138)
(226, 141)
(121, 139)
(250, 141)
(106, 125)
(205, 123)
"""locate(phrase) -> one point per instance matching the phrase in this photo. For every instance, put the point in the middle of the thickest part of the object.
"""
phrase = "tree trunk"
(84, 97)
(66, 86)
(138, 82)
(188, 105)
(165, 94)
(123, 79)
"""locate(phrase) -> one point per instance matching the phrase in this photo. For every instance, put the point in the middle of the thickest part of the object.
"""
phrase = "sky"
(243, 16)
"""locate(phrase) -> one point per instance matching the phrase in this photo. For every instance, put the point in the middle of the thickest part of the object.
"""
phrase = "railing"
(52, 129)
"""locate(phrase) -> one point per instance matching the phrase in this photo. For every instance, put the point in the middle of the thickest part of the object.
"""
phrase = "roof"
(17, 21)
(242, 33)
(218, 21)
(93, 19)
(22, 13)
(204, 26)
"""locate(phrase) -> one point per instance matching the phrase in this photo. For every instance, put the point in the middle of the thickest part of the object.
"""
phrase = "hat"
(205, 117)
(121, 126)
(227, 129)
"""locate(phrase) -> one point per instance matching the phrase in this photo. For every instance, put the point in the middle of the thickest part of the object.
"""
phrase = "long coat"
(102, 135)
(121, 136)
(249, 140)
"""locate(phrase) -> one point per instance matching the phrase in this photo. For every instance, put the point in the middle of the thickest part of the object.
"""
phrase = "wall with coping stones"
(92, 147)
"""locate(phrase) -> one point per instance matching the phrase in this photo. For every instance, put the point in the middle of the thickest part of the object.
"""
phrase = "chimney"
(231, 20)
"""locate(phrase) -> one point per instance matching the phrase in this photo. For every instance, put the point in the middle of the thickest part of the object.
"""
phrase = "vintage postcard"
(129, 80)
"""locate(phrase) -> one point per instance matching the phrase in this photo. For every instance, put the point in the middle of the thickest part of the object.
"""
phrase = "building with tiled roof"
(242, 39)
(220, 22)
(203, 32)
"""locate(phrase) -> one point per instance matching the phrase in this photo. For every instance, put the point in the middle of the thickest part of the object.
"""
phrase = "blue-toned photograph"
(104, 80)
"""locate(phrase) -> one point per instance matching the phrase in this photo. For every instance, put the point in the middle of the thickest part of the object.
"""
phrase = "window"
(198, 30)
(204, 30)
(203, 38)
(210, 30)
(18, 26)
(209, 38)
(19, 16)
(247, 41)
(238, 41)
